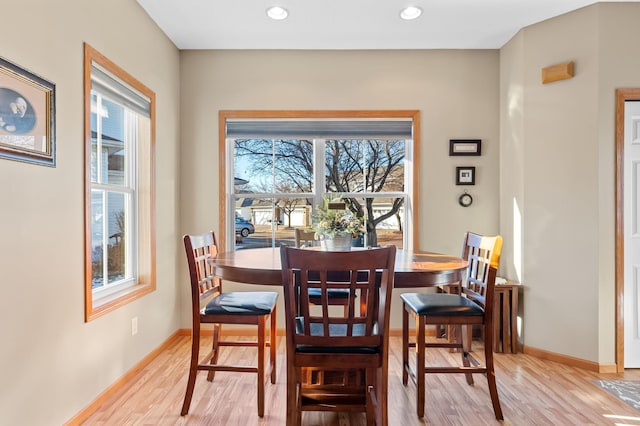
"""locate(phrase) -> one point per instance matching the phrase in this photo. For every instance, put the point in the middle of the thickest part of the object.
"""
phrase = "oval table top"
(412, 268)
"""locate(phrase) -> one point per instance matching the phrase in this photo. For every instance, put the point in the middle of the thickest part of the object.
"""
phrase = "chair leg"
(371, 397)
(261, 362)
(193, 370)
(420, 364)
(294, 416)
(452, 332)
(441, 329)
(298, 414)
(405, 345)
(491, 375)
(273, 345)
(382, 392)
(465, 336)
(215, 349)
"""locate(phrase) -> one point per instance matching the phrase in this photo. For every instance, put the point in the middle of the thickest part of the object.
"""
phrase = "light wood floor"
(532, 392)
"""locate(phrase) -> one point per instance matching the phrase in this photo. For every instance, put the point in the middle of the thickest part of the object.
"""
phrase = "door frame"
(622, 95)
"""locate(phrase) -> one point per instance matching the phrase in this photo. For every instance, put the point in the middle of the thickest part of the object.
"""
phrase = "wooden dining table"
(413, 269)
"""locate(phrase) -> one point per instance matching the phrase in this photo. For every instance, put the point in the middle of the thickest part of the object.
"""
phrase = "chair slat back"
(483, 255)
(200, 250)
(369, 271)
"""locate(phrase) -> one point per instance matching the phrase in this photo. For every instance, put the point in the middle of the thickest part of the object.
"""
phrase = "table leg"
(514, 320)
(505, 320)
(497, 319)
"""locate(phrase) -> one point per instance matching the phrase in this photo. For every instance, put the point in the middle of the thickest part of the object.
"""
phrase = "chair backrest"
(200, 250)
(370, 270)
(483, 254)
(305, 237)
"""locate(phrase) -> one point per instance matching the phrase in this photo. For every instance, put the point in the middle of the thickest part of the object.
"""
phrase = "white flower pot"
(337, 243)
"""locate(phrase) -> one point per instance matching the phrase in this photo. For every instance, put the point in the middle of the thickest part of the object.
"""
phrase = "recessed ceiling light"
(278, 13)
(410, 12)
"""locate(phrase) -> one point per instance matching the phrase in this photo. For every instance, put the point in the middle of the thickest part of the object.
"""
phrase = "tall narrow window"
(119, 186)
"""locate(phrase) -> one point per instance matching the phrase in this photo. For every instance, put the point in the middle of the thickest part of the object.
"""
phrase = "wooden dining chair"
(337, 296)
(357, 343)
(305, 237)
(473, 306)
(210, 305)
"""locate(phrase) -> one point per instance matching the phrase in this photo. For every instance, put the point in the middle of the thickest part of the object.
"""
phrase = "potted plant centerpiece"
(336, 226)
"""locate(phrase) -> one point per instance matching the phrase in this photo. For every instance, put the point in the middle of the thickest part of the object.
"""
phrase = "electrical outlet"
(134, 326)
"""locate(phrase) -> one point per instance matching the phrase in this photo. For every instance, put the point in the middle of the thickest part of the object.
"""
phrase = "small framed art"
(465, 175)
(27, 116)
(458, 147)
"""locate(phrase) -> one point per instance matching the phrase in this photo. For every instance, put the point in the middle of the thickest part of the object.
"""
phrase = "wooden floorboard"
(532, 392)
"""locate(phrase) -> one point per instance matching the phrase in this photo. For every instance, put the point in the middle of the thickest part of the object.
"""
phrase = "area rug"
(626, 390)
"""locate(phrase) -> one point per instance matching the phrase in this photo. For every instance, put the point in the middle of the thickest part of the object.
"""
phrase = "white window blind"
(322, 129)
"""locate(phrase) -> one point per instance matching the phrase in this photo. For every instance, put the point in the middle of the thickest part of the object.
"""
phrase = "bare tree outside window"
(368, 167)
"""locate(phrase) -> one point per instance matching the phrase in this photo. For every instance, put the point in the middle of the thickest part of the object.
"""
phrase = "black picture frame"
(465, 175)
(465, 147)
(27, 116)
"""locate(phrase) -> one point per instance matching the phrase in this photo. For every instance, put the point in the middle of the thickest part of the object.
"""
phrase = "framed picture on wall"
(465, 175)
(27, 116)
(458, 147)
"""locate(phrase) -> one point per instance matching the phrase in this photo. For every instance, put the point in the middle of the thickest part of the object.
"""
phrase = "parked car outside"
(243, 227)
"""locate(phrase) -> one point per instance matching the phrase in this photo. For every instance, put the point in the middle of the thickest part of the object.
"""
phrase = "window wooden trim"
(146, 247)
(224, 115)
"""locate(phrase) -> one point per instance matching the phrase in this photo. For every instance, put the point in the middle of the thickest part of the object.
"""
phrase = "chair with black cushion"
(474, 306)
(337, 296)
(356, 343)
(210, 305)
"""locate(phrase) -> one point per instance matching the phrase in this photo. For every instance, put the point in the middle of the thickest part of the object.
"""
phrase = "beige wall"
(455, 91)
(52, 363)
(618, 69)
(558, 163)
(547, 149)
(558, 197)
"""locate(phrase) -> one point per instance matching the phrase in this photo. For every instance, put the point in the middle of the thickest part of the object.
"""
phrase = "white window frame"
(137, 187)
(227, 206)
(129, 190)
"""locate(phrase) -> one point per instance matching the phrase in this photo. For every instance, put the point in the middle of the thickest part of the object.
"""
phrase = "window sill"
(100, 306)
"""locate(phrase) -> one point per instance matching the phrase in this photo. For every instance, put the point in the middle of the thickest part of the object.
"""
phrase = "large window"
(280, 165)
(119, 224)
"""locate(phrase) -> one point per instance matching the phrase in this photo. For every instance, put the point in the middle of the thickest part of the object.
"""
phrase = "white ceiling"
(350, 24)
